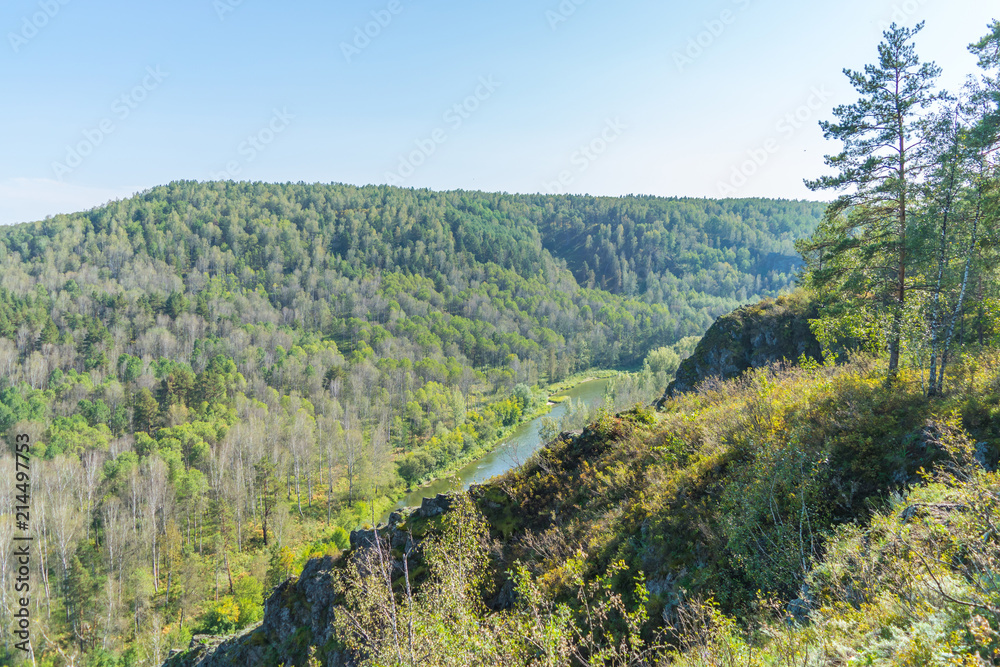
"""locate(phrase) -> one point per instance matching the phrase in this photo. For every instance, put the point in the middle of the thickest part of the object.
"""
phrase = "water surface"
(512, 452)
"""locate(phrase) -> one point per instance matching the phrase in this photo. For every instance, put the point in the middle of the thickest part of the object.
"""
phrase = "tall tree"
(266, 484)
(331, 433)
(959, 191)
(301, 443)
(862, 245)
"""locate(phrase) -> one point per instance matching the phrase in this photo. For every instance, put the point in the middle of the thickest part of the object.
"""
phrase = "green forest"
(220, 380)
(222, 385)
(836, 508)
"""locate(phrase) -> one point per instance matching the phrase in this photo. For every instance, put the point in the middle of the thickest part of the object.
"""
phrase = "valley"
(314, 424)
(220, 381)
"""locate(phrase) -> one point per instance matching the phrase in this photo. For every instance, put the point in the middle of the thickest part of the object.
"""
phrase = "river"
(511, 453)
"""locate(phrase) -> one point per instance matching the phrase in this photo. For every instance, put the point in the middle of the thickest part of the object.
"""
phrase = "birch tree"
(301, 443)
(961, 191)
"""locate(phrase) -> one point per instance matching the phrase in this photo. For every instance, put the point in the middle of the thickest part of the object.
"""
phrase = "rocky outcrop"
(297, 615)
(396, 531)
(753, 336)
(430, 507)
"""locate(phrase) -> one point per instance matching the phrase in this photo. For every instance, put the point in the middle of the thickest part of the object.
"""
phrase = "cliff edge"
(753, 336)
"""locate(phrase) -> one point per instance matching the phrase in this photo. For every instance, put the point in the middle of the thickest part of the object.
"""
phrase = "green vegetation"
(810, 511)
(220, 379)
(906, 258)
(840, 510)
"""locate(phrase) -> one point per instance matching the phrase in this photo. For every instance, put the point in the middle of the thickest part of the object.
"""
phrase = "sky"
(720, 98)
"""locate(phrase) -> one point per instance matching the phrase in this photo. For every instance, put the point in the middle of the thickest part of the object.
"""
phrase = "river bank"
(508, 450)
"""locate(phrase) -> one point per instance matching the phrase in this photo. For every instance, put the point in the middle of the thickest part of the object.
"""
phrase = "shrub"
(415, 465)
(249, 596)
(222, 617)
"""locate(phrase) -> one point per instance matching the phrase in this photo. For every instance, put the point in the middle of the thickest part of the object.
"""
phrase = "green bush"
(249, 596)
(415, 465)
(341, 538)
(222, 617)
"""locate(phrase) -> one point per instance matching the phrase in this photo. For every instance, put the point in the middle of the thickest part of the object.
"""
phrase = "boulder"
(362, 538)
(431, 507)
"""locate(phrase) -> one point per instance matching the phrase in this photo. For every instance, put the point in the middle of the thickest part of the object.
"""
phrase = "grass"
(579, 378)
(731, 490)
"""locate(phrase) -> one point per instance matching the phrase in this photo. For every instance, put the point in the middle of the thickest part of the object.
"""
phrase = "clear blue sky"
(258, 90)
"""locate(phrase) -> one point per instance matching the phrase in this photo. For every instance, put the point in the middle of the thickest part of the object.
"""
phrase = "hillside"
(834, 502)
(219, 380)
(816, 495)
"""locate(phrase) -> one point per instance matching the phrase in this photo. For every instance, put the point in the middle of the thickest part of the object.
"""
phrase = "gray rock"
(304, 602)
(798, 611)
(754, 336)
(362, 538)
(431, 507)
(937, 511)
(799, 608)
(982, 456)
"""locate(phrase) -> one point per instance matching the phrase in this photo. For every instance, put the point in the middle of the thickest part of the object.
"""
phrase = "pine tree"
(146, 410)
(862, 247)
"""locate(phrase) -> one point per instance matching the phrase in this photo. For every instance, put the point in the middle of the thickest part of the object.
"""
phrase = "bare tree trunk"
(961, 296)
(329, 493)
(309, 493)
(264, 511)
(229, 573)
(298, 492)
(897, 318)
(932, 389)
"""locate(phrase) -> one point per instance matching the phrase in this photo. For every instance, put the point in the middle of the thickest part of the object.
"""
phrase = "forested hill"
(670, 249)
(435, 299)
(700, 258)
(217, 379)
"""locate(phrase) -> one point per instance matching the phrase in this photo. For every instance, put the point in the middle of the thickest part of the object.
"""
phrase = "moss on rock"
(753, 336)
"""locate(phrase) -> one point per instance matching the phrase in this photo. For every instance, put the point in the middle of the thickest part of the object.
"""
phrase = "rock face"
(750, 337)
(300, 612)
(399, 538)
(434, 506)
(297, 615)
